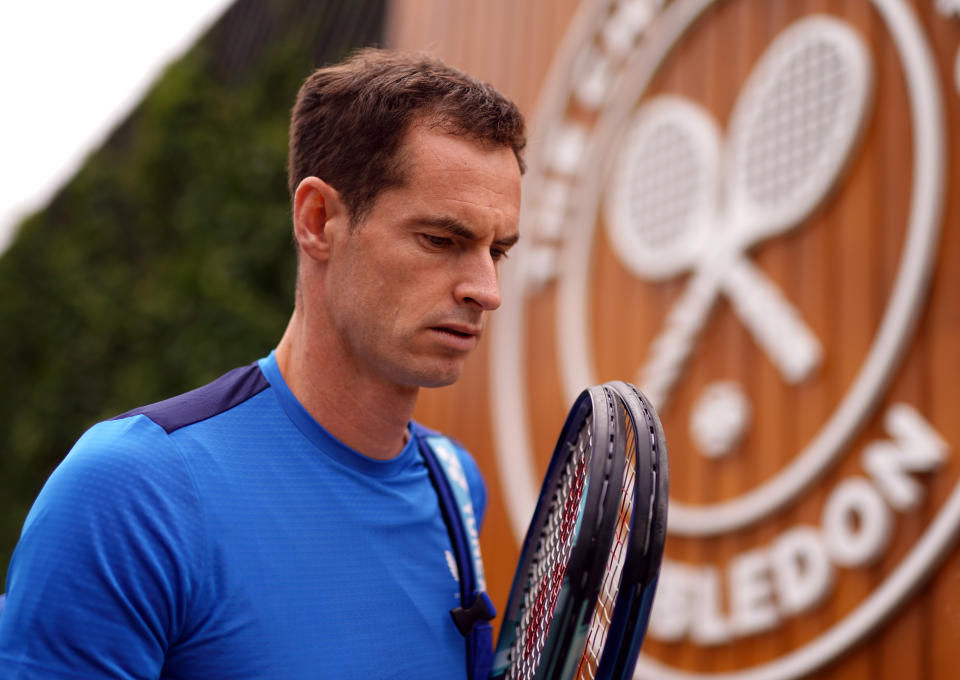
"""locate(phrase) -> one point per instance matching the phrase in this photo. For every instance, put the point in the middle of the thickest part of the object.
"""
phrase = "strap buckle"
(482, 609)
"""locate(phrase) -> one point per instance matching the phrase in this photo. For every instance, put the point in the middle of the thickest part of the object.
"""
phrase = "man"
(280, 522)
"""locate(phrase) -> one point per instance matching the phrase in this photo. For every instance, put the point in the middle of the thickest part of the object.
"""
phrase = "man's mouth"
(458, 336)
(459, 331)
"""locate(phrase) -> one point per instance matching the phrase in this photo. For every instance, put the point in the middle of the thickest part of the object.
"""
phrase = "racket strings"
(664, 175)
(602, 616)
(549, 563)
(792, 128)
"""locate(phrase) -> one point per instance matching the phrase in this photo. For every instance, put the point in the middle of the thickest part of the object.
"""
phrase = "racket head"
(564, 553)
(662, 202)
(795, 123)
(633, 597)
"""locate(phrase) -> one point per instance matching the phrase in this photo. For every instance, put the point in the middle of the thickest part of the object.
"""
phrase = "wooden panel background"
(838, 268)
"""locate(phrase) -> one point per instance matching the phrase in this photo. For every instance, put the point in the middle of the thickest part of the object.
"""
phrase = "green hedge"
(168, 259)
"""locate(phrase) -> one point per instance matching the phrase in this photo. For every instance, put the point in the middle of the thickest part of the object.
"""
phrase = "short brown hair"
(350, 119)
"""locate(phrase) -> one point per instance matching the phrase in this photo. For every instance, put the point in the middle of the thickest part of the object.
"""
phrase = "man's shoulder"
(474, 477)
(226, 392)
(423, 432)
(138, 442)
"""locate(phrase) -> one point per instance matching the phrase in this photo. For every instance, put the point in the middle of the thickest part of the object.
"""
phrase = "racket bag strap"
(476, 612)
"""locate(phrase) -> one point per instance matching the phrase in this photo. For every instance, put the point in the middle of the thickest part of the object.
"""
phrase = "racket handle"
(672, 347)
(775, 324)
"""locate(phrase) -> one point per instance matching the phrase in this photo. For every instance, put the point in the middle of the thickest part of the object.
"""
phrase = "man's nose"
(478, 283)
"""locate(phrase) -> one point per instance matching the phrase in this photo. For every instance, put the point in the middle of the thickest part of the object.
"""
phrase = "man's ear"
(318, 214)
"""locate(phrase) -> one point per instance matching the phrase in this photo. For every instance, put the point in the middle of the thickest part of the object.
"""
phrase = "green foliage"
(165, 262)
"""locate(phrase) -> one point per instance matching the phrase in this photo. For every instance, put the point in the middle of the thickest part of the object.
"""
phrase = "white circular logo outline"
(899, 320)
(509, 390)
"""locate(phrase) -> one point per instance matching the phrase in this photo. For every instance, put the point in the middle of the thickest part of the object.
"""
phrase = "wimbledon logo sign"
(682, 195)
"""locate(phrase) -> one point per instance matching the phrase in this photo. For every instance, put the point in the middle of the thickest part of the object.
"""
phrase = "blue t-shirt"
(225, 534)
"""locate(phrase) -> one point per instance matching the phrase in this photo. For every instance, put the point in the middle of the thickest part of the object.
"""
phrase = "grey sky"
(70, 71)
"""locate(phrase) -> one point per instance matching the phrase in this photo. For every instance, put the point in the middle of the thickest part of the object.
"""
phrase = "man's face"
(408, 288)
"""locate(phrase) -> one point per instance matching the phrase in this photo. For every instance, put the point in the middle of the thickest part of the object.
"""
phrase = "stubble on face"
(410, 284)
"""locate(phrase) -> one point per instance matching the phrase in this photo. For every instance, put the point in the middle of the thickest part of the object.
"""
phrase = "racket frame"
(631, 613)
(594, 533)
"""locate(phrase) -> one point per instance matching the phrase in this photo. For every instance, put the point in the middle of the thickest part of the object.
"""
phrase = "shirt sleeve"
(101, 579)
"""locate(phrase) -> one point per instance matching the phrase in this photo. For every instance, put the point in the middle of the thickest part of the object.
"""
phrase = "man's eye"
(498, 254)
(437, 241)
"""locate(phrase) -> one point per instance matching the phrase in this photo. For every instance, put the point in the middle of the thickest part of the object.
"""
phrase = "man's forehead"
(425, 143)
(439, 165)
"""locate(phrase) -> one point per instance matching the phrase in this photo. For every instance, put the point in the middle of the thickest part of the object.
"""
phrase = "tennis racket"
(584, 585)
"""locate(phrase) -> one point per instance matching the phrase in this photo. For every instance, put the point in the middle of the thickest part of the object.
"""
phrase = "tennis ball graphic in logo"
(689, 226)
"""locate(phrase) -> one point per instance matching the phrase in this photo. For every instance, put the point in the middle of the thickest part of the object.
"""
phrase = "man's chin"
(437, 375)
(439, 381)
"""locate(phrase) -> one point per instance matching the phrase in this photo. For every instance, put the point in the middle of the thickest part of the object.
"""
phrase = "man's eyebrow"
(459, 229)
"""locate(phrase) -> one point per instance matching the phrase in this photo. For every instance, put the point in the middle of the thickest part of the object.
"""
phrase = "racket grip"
(775, 324)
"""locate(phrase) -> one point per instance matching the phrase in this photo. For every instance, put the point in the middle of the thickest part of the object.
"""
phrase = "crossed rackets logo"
(682, 196)
(685, 200)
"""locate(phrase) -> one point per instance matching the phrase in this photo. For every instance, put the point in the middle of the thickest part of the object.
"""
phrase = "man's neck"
(365, 414)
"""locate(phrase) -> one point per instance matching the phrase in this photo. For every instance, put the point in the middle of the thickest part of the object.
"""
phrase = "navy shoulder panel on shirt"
(230, 389)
